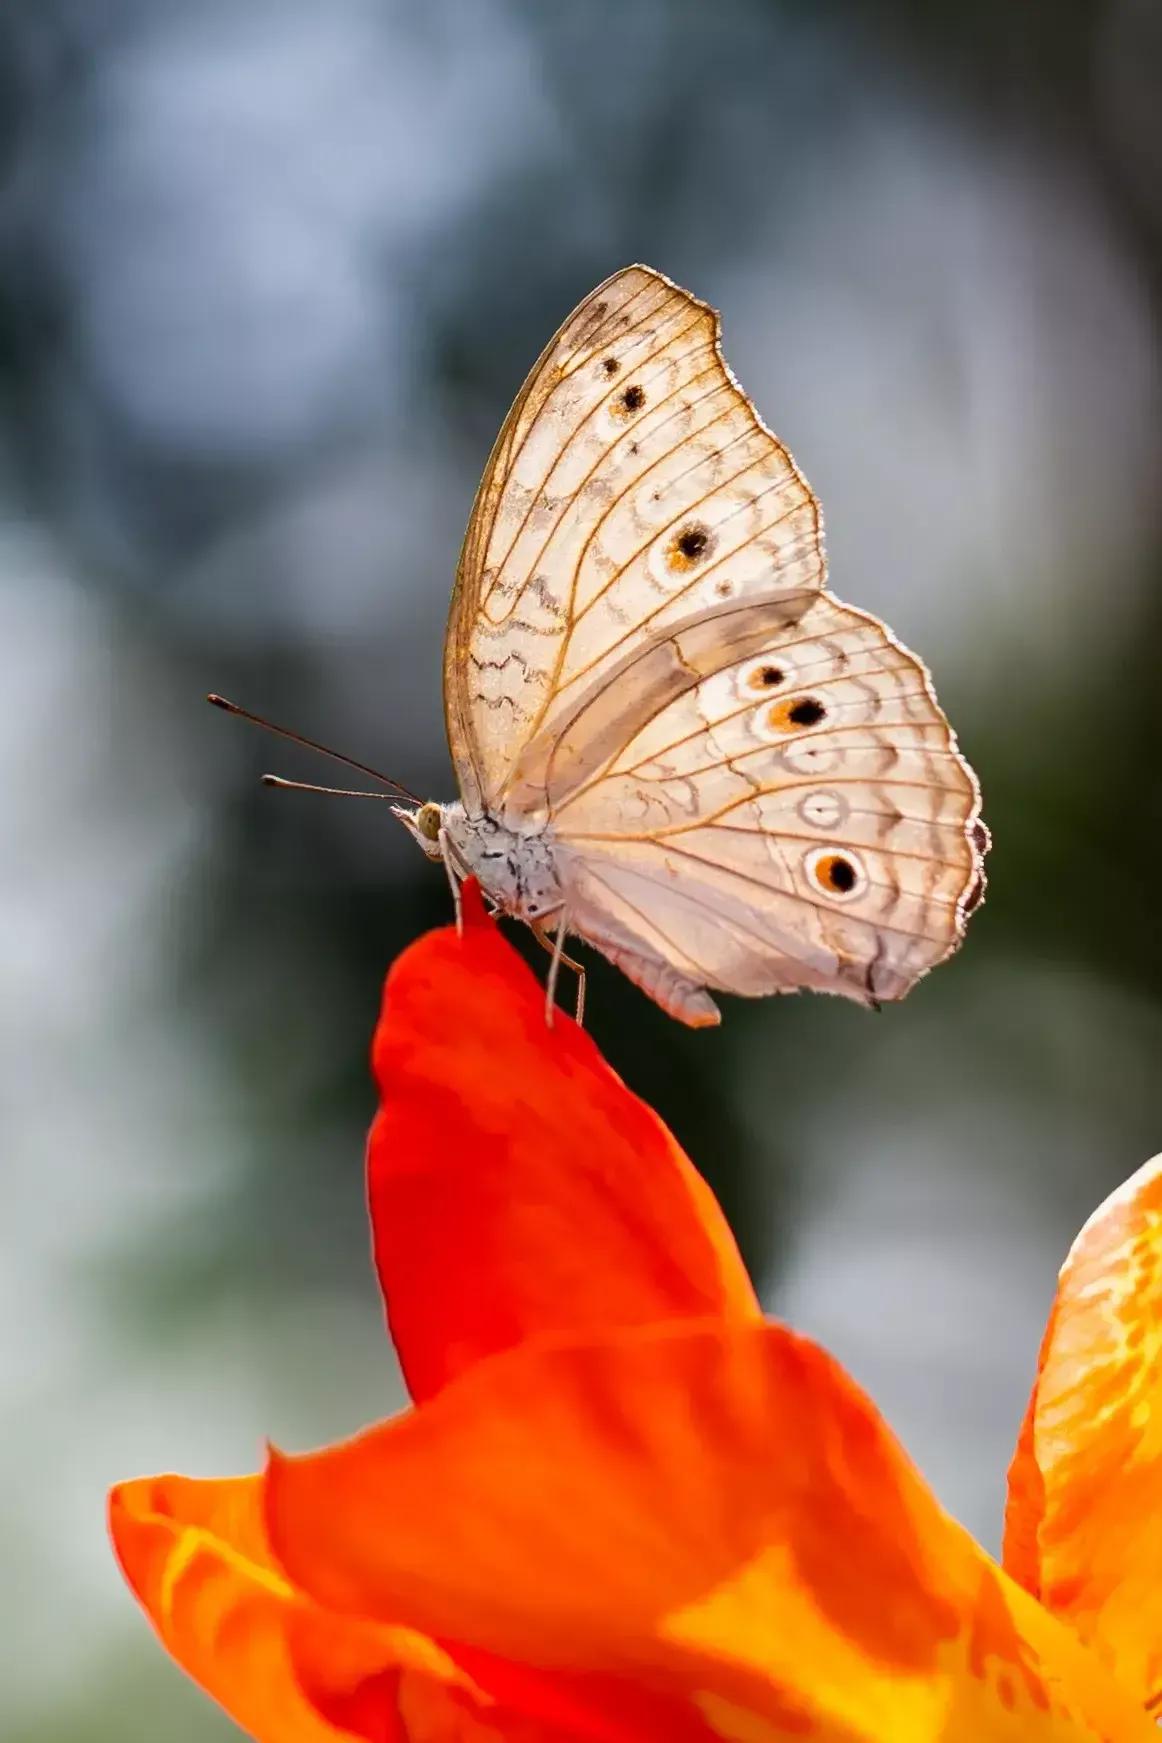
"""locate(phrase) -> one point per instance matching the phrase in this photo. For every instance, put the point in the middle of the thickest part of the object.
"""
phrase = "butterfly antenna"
(217, 701)
(311, 787)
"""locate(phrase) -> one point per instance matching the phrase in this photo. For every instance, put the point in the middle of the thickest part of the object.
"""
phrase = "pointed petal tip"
(472, 909)
(487, 1110)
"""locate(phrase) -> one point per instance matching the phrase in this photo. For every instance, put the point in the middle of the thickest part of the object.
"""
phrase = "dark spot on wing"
(835, 873)
(689, 545)
(794, 713)
(841, 874)
(766, 678)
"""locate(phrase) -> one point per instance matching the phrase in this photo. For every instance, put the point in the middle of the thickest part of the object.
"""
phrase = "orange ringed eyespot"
(795, 714)
(837, 874)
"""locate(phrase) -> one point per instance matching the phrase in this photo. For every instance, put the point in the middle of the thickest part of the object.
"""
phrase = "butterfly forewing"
(632, 485)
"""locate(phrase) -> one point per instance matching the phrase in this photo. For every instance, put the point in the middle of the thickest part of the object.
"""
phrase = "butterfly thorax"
(517, 870)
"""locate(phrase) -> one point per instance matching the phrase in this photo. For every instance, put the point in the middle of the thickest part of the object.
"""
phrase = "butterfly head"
(424, 822)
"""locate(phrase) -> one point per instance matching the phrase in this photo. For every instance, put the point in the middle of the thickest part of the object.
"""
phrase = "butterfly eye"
(796, 713)
(836, 874)
(428, 821)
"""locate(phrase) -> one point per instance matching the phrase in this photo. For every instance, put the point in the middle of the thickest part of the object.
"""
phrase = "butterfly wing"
(631, 487)
(799, 817)
(750, 786)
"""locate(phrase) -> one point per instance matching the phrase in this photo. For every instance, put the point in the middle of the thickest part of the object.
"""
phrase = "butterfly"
(671, 740)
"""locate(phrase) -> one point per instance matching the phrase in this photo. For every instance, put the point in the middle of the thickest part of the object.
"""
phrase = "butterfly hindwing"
(800, 817)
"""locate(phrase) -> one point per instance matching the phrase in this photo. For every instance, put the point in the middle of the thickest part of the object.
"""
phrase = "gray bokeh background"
(269, 277)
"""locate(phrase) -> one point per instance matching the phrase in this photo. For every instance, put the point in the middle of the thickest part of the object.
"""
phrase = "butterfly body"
(517, 869)
(535, 878)
(671, 740)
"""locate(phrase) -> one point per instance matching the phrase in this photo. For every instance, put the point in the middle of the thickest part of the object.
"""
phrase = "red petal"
(715, 1513)
(517, 1188)
(1083, 1527)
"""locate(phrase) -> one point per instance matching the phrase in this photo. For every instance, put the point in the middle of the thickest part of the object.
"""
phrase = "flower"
(625, 1508)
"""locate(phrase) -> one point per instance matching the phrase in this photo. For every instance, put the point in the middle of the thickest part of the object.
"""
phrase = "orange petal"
(1083, 1526)
(289, 1671)
(516, 1186)
(196, 1555)
(714, 1512)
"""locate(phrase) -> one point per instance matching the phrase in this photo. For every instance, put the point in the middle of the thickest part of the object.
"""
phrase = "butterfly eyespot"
(724, 588)
(690, 545)
(765, 677)
(629, 402)
(823, 810)
(610, 365)
(807, 756)
(837, 874)
(981, 839)
(795, 713)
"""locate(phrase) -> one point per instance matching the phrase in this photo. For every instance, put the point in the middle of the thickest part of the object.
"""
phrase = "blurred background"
(270, 276)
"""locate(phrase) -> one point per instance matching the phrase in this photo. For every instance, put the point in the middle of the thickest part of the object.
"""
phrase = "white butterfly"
(670, 739)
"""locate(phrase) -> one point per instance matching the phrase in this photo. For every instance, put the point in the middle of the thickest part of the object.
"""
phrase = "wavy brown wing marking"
(632, 486)
(801, 817)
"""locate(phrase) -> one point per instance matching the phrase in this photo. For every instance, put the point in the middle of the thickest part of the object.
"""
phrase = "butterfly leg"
(556, 949)
(453, 880)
